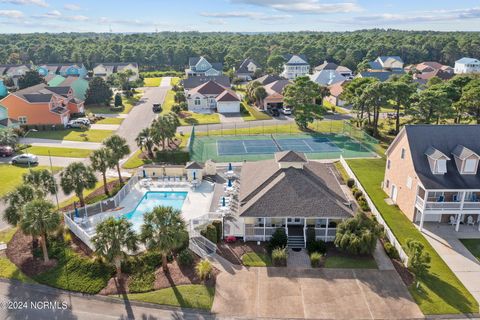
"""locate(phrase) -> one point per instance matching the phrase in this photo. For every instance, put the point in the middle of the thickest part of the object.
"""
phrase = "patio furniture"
(441, 199)
(470, 221)
(452, 220)
(455, 198)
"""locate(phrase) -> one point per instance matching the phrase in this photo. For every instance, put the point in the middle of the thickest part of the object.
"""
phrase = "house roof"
(270, 191)
(463, 152)
(243, 68)
(276, 87)
(380, 75)
(192, 62)
(336, 89)
(62, 91)
(327, 77)
(440, 73)
(227, 96)
(384, 59)
(295, 60)
(269, 78)
(7, 122)
(210, 87)
(193, 165)
(192, 82)
(290, 156)
(445, 139)
(466, 60)
(54, 80)
(326, 66)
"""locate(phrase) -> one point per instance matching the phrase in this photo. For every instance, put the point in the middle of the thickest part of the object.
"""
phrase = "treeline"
(170, 50)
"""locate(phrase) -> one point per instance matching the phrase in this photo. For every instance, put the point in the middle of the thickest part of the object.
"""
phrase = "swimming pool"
(151, 200)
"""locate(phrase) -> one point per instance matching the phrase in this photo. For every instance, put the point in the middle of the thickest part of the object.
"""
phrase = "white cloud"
(79, 18)
(53, 14)
(304, 6)
(217, 22)
(12, 14)
(243, 14)
(72, 7)
(126, 22)
(40, 3)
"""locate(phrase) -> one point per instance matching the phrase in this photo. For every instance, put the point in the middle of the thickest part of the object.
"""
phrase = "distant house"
(212, 97)
(327, 77)
(104, 70)
(14, 71)
(344, 71)
(247, 69)
(390, 63)
(199, 66)
(335, 92)
(269, 78)
(295, 66)
(467, 65)
(424, 71)
(41, 104)
(432, 173)
(63, 69)
(380, 75)
(5, 121)
(274, 91)
(193, 82)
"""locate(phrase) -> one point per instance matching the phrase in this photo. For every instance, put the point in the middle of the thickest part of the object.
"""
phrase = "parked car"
(6, 151)
(76, 124)
(274, 112)
(287, 110)
(26, 158)
(85, 121)
(157, 108)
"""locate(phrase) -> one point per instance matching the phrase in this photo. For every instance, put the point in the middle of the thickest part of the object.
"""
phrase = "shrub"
(358, 235)
(211, 233)
(279, 257)
(350, 183)
(279, 239)
(315, 259)
(243, 110)
(391, 250)
(185, 258)
(176, 109)
(141, 282)
(173, 157)
(204, 269)
(147, 261)
(362, 202)
(358, 194)
(318, 246)
(230, 239)
(418, 259)
(218, 226)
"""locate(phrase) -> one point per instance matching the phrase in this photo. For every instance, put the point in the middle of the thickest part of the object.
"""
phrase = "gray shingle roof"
(463, 152)
(243, 68)
(435, 154)
(269, 78)
(193, 165)
(290, 156)
(380, 75)
(444, 138)
(193, 82)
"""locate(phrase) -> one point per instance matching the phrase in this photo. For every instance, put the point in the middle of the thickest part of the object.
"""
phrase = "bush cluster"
(185, 258)
(173, 157)
(316, 259)
(313, 245)
(210, 232)
(279, 257)
(391, 251)
(279, 240)
(204, 269)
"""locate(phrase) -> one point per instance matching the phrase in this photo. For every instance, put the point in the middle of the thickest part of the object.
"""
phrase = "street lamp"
(24, 136)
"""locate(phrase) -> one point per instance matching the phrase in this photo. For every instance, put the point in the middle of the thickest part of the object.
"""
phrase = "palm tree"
(113, 238)
(259, 94)
(8, 138)
(102, 160)
(120, 149)
(16, 201)
(145, 141)
(164, 231)
(42, 180)
(76, 178)
(40, 219)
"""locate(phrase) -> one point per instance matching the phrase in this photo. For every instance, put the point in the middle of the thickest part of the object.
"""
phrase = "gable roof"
(227, 96)
(336, 89)
(466, 60)
(243, 68)
(193, 165)
(269, 78)
(445, 139)
(192, 82)
(327, 77)
(295, 60)
(463, 152)
(276, 87)
(290, 156)
(54, 80)
(210, 87)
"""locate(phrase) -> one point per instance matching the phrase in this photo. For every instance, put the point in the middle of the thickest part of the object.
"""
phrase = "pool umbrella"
(230, 167)
(144, 174)
(229, 183)
(194, 175)
(223, 202)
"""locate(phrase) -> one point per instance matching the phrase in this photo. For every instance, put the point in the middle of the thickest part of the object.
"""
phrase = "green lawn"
(11, 176)
(254, 259)
(440, 292)
(194, 118)
(350, 262)
(175, 81)
(135, 161)
(473, 245)
(128, 104)
(60, 152)
(185, 296)
(91, 135)
(254, 114)
(9, 270)
(110, 121)
(152, 82)
(86, 193)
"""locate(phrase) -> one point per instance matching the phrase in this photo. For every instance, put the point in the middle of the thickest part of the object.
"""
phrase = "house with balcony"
(289, 192)
(63, 69)
(246, 70)
(467, 65)
(295, 66)
(432, 174)
(199, 66)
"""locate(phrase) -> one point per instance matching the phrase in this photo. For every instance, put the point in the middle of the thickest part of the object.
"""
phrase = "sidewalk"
(61, 143)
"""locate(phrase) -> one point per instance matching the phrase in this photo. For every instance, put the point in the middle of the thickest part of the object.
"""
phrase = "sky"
(25, 16)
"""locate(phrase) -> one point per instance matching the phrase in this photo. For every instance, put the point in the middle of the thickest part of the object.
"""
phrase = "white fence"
(391, 237)
(201, 245)
(78, 231)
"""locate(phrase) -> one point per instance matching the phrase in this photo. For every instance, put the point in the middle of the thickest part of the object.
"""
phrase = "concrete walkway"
(381, 258)
(61, 143)
(112, 127)
(298, 259)
(113, 115)
(462, 262)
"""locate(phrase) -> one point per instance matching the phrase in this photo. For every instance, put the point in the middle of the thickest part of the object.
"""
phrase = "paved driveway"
(313, 294)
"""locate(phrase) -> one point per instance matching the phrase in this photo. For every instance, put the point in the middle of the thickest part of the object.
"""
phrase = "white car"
(287, 110)
(76, 124)
(85, 121)
(26, 158)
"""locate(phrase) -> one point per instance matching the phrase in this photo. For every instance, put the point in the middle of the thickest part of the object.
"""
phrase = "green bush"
(391, 250)
(218, 225)
(141, 282)
(362, 202)
(173, 157)
(354, 189)
(318, 246)
(279, 257)
(147, 261)
(176, 109)
(211, 233)
(204, 269)
(358, 235)
(279, 239)
(316, 259)
(358, 194)
(185, 258)
(350, 183)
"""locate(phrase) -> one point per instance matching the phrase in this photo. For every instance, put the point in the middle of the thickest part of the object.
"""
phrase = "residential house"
(268, 78)
(63, 69)
(78, 85)
(427, 70)
(327, 77)
(247, 69)
(5, 121)
(295, 66)
(335, 93)
(212, 97)
(344, 71)
(274, 97)
(3, 89)
(390, 63)
(432, 173)
(467, 65)
(104, 70)
(380, 75)
(194, 82)
(199, 66)
(41, 104)
(14, 71)
(288, 192)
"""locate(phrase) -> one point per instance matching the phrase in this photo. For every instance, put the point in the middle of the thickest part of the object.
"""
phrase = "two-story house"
(344, 71)
(41, 104)
(212, 97)
(104, 70)
(467, 65)
(199, 66)
(247, 69)
(391, 63)
(295, 66)
(14, 71)
(432, 173)
(63, 69)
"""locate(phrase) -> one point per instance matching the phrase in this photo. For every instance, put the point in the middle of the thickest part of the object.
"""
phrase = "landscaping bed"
(96, 195)
(234, 252)
(337, 259)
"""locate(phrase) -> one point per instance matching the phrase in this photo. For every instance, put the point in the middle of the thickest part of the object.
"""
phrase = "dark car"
(274, 112)
(6, 151)
(157, 107)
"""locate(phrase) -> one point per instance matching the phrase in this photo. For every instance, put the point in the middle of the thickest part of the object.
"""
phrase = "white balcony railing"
(435, 206)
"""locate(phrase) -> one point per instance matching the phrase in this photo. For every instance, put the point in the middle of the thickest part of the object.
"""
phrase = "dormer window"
(437, 160)
(466, 160)
(441, 166)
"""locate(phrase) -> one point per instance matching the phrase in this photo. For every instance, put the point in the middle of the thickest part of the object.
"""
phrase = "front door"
(393, 194)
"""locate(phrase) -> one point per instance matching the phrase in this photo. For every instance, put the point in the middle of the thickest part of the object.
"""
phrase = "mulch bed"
(406, 275)
(97, 192)
(233, 252)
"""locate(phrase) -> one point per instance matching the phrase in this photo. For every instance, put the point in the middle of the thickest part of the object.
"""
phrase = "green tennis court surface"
(259, 147)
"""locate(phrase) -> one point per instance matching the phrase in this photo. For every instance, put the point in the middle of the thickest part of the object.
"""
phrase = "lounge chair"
(470, 221)
(452, 220)
(441, 199)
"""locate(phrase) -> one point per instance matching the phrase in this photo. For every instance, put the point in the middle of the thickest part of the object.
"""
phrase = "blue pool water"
(151, 200)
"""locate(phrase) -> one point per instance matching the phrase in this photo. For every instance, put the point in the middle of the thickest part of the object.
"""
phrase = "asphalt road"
(22, 301)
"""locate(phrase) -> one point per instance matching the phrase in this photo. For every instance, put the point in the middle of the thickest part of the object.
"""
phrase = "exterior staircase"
(296, 242)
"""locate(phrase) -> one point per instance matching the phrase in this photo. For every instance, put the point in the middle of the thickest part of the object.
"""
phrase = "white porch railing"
(391, 237)
(201, 245)
(78, 231)
(419, 202)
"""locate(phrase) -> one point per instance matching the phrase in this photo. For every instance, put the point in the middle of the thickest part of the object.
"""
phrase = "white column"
(326, 231)
(286, 226)
(458, 222)
(264, 229)
(422, 218)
